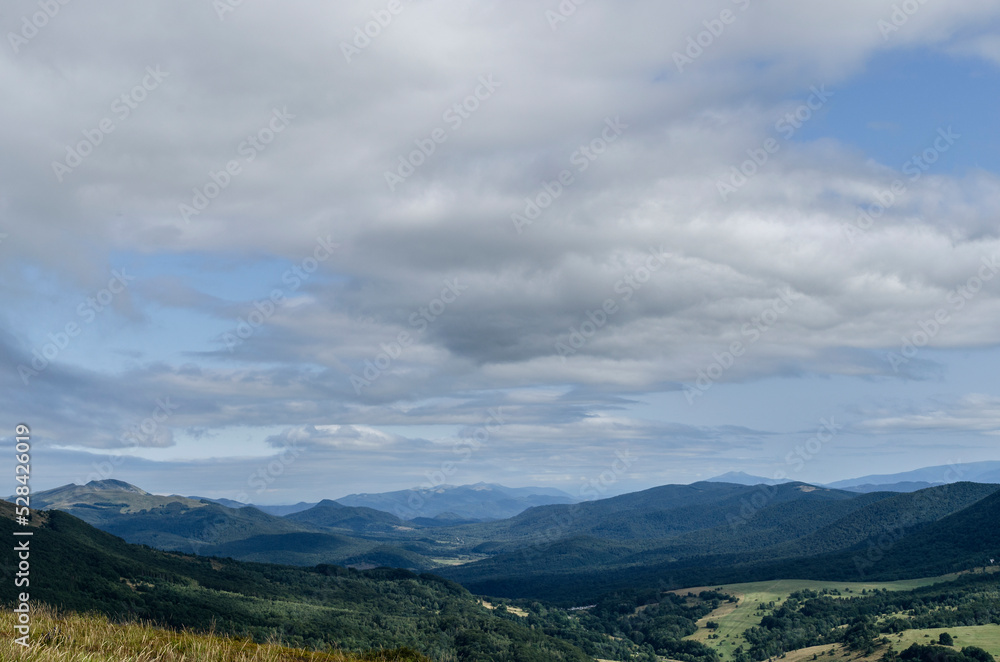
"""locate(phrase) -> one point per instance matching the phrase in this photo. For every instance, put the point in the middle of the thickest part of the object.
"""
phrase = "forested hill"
(77, 567)
(873, 536)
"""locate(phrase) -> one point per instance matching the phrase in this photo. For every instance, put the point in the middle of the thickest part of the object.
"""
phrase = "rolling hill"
(166, 522)
(657, 513)
(176, 523)
(332, 515)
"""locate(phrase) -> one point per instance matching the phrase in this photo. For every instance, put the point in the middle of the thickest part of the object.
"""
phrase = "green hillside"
(876, 540)
(77, 567)
(657, 513)
(327, 533)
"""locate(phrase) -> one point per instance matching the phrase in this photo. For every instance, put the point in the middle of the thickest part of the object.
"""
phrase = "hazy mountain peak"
(111, 485)
(742, 478)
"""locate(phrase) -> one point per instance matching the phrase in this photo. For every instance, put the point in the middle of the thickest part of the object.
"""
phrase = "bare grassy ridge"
(72, 637)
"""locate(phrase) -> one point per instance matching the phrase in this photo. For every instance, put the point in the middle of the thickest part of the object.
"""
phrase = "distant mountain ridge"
(278, 511)
(905, 481)
(741, 478)
(482, 501)
(975, 472)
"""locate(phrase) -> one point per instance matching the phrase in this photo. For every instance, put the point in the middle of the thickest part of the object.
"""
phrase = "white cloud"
(978, 413)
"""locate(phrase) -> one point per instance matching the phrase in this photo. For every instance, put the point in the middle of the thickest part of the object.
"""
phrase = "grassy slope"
(734, 622)
(986, 637)
(74, 637)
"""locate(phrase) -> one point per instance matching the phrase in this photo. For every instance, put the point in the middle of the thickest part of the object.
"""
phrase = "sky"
(277, 252)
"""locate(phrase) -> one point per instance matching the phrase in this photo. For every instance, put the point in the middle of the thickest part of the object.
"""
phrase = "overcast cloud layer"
(494, 241)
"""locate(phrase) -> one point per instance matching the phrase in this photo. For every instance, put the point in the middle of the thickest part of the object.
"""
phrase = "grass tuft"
(72, 637)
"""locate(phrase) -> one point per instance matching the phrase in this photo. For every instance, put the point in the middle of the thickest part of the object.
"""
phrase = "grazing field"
(733, 620)
(986, 637)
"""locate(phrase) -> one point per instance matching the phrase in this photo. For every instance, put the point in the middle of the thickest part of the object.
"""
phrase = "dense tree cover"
(629, 625)
(876, 541)
(807, 619)
(918, 653)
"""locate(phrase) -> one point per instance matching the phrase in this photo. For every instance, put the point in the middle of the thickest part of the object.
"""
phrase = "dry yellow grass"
(71, 637)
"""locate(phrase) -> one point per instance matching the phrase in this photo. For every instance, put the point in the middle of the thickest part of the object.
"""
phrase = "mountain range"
(482, 501)
(695, 534)
(450, 504)
(906, 481)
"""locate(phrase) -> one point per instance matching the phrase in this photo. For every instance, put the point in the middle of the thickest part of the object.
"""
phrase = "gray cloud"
(857, 295)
